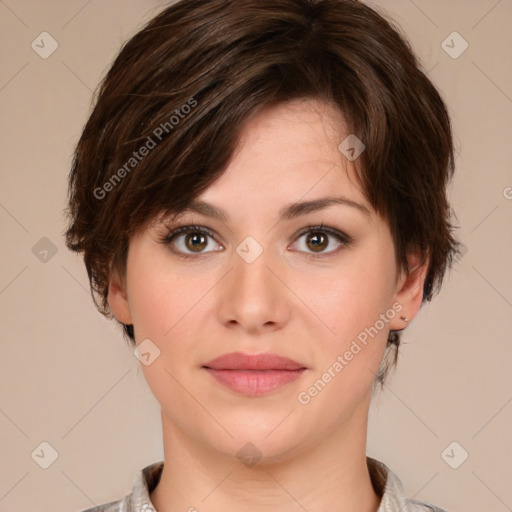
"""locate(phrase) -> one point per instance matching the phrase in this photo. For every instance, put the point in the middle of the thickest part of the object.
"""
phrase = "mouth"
(254, 374)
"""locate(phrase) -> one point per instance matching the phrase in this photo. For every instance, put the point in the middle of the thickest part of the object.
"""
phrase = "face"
(316, 284)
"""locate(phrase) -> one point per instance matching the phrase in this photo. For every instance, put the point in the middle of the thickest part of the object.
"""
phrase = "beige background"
(67, 377)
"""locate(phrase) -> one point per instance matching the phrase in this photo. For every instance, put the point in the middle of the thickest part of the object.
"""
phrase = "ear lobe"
(118, 300)
(409, 292)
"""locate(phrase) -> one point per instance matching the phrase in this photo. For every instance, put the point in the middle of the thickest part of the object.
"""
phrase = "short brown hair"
(184, 85)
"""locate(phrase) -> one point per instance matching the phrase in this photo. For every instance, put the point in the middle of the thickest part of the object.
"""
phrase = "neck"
(331, 475)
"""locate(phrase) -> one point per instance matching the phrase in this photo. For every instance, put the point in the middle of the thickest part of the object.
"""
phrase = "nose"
(253, 295)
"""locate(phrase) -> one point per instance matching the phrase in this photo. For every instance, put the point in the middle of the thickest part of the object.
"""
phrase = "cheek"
(164, 306)
(171, 308)
(347, 360)
(352, 305)
(161, 299)
(353, 297)
(150, 304)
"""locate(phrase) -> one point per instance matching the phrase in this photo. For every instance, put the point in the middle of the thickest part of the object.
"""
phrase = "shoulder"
(111, 506)
(391, 490)
(423, 506)
(138, 499)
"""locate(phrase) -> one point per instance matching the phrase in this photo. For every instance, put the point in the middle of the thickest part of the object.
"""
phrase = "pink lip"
(241, 361)
(254, 374)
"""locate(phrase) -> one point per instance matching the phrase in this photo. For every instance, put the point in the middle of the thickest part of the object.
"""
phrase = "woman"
(259, 195)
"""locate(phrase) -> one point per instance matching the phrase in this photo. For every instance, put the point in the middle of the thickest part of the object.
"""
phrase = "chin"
(254, 442)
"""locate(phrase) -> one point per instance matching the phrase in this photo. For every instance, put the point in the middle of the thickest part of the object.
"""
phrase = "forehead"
(302, 129)
(290, 152)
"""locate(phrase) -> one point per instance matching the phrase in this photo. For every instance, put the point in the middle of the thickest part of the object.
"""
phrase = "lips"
(240, 361)
(254, 374)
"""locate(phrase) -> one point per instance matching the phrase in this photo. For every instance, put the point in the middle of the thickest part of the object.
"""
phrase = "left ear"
(409, 290)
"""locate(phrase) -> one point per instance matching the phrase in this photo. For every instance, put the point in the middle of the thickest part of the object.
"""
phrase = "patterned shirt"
(386, 484)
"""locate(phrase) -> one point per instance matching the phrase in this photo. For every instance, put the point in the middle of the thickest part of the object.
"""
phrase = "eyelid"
(327, 229)
(343, 239)
(176, 231)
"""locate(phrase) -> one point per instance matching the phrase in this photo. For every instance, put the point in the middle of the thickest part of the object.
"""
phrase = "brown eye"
(321, 241)
(189, 241)
(317, 241)
(196, 242)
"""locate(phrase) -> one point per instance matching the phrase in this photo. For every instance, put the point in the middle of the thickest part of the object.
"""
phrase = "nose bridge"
(253, 296)
(251, 275)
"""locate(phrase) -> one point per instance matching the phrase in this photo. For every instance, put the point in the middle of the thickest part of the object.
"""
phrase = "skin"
(284, 302)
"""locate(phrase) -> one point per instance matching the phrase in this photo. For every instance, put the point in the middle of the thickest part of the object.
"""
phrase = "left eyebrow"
(288, 212)
(303, 208)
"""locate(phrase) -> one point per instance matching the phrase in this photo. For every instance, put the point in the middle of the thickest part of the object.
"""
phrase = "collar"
(386, 484)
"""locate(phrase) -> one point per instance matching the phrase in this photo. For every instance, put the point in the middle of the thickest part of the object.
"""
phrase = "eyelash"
(342, 238)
